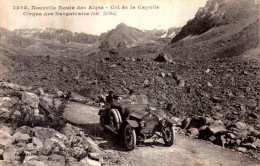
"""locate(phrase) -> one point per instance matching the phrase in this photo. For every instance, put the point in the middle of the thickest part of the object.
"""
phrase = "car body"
(133, 119)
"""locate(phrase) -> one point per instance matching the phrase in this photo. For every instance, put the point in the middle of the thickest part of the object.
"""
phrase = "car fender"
(132, 123)
(172, 121)
(100, 111)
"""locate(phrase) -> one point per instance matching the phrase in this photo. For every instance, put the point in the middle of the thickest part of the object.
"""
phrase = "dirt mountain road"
(185, 151)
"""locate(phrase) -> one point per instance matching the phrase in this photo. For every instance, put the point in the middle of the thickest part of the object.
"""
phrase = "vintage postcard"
(129, 82)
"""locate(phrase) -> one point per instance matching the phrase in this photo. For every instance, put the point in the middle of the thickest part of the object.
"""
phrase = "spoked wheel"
(114, 120)
(168, 135)
(129, 137)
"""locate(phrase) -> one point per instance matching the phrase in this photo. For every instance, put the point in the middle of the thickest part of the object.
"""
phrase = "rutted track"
(185, 151)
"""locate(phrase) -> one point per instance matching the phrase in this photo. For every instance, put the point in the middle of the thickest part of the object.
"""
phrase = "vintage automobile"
(134, 120)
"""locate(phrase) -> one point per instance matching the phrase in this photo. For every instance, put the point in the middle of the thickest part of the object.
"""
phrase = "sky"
(171, 13)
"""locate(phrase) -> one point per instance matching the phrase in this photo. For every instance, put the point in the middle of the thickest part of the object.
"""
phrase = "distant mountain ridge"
(58, 35)
(121, 36)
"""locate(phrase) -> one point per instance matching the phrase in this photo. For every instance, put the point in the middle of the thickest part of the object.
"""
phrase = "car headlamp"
(163, 122)
(142, 124)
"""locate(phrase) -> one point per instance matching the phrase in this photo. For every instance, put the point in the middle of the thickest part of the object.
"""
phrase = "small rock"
(77, 98)
(249, 146)
(162, 74)
(21, 137)
(217, 126)
(231, 135)
(185, 123)
(95, 156)
(6, 129)
(57, 158)
(181, 83)
(146, 83)
(209, 84)
(241, 149)
(37, 143)
(90, 162)
(240, 125)
(193, 132)
(93, 146)
(216, 99)
(197, 122)
(10, 153)
(1, 152)
(208, 71)
(59, 93)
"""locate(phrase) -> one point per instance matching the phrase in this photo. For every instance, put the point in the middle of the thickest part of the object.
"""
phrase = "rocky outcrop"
(239, 136)
(36, 142)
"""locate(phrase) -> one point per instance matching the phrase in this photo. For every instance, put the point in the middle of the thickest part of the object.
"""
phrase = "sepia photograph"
(129, 83)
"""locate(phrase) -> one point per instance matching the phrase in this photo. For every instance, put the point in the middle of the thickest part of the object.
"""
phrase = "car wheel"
(129, 137)
(114, 120)
(168, 135)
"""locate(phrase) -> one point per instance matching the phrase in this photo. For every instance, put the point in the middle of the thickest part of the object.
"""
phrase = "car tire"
(129, 137)
(114, 119)
(169, 135)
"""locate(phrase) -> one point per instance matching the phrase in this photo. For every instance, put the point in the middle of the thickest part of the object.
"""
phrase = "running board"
(111, 129)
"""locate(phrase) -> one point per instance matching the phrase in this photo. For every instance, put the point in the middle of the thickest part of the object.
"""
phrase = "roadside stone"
(241, 149)
(30, 99)
(240, 125)
(5, 139)
(10, 153)
(1, 152)
(9, 163)
(193, 132)
(95, 156)
(185, 123)
(197, 122)
(217, 126)
(77, 98)
(6, 129)
(19, 137)
(88, 161)
(25, 130)
(37, 143)
(57, 158)
(93, 146)
(249, 146)
(30, 158)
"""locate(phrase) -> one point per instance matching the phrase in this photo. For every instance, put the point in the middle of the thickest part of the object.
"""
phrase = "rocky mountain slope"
(221, 28)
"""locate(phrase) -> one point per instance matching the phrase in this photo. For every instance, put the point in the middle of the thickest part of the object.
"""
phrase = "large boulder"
(6, 129)
(163, 57)
(30, 99)
(11, 153)
(217, 126)
(5, 139)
